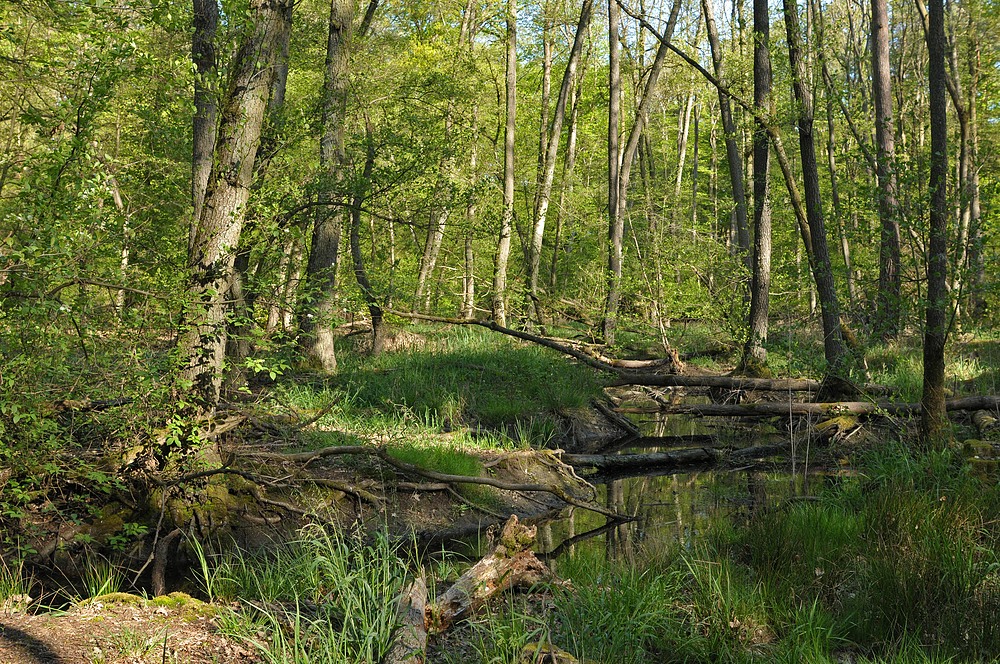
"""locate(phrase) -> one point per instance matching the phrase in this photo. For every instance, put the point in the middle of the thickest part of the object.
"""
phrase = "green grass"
(326, 598)
(460, 378)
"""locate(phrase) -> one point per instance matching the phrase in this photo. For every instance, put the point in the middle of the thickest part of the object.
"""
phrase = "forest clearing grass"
(488, 391)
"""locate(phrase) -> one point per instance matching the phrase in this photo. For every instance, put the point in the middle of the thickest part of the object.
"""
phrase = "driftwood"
(616, 463)
(779, 408)
(744, 383)
(510, 564)
(411, 610)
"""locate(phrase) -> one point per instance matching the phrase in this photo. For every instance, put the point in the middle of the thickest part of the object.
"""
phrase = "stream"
(676, 508)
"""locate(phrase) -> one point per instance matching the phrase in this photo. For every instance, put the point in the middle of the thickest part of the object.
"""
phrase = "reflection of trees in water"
(674, 510)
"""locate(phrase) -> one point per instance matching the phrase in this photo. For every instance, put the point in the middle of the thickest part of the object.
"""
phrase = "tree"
(733, 158)
(202, 340)
(206, 20)
(754, 354)
(934, 419)
(554, 133)
(321, 272)
(507, 220)
(887, 318)
(834, 348)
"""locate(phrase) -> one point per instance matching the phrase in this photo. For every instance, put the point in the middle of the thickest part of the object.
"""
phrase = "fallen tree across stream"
(833, 408)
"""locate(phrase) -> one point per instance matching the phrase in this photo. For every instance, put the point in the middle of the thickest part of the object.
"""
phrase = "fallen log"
(411, 610)
(586, 355)
(984, 422)
(510, 564)
(723, 382)
(616, 463)
(834, 408)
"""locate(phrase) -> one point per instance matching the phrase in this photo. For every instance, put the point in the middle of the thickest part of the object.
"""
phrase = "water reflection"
(675, 509)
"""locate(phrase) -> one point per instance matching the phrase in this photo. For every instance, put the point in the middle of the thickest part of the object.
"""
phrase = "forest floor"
(120, 629)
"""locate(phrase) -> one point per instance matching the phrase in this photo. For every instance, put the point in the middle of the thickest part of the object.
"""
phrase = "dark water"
(677, 509)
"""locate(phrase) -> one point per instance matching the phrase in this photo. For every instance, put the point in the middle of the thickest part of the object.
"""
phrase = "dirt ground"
(120, 629)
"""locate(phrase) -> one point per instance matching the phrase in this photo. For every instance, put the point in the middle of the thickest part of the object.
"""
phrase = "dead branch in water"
(833, 408)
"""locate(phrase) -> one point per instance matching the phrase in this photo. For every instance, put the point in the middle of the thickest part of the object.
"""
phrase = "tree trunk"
(836, 352)
(360, 273)
(507, 220)
(206, 20)
(469, 276)
(754, 353)
(615, 228)
(977, 267)
(316, 325)
(934, 421)
(620, 167)
(889, 302)
(202, 339)
(733, 157)
(569, 165)
(553, 134)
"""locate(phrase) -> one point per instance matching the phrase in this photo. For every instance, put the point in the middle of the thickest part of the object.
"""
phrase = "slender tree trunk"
(620, 162)
(934, 419)
(202, 339)
(242, 290)
(615, 229)
(754, 353)
(548, 161)
(831, 153)
(569, 165)
(836, 352)
(206, 20)
(694, 174)
(733, 156)
(977, 269)
(507, 221)
(360, 273)
(316, 325)
(469, 276)
(889, 302)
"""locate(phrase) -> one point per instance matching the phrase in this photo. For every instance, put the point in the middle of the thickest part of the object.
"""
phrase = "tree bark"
(360, 273)
(834, 408)
(933, 423)
(889, 302)
(316, 325)
(206, 21)
(615, 228)
(733, 157)
(510, 564)
(551, 147)
(754, 359)
(836, 352)
(202, 339)
(507, 220)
